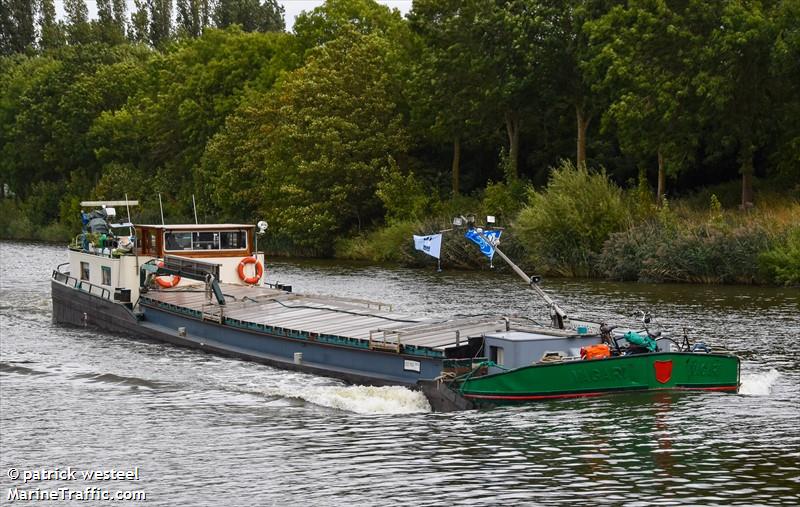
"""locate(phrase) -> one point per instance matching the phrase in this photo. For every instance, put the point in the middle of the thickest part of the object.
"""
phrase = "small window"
(85, 271)
(496, 354)
(178, 240)
(105, 271)
(233, 240)
(205, 240)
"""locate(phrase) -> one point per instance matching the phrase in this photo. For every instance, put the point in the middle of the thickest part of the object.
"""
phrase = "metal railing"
(83, 285)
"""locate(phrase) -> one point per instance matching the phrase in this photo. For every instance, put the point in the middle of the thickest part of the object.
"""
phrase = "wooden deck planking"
(324, 315)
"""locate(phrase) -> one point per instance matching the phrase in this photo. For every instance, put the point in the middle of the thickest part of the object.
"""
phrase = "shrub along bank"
(582, 224)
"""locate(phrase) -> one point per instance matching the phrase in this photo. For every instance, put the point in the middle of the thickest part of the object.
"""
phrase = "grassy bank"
(584, 225)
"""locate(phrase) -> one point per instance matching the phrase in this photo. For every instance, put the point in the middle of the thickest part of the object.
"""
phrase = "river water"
(205, 430)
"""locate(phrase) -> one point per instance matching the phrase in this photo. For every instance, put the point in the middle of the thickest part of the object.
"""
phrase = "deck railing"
(83, 285)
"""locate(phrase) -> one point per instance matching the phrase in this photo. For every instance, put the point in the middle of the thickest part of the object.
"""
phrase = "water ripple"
(209, 430)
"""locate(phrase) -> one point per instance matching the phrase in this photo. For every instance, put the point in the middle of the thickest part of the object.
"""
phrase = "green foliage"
(706, 247)
(354, 125)
(303, 146)
(404, 197)
(691, 253)
(781, 263)
(14, 222)
(504, 200)
(564, 226)
(387, 244)
(327, 22)
(250, 15)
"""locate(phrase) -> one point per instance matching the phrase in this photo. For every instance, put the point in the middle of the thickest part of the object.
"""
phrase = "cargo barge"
(202, 286)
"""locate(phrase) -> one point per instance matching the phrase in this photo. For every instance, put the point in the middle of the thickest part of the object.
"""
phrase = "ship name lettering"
(599, 374)
(703, 369)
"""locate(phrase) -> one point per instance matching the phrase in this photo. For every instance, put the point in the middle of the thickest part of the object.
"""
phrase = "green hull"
(569, 379)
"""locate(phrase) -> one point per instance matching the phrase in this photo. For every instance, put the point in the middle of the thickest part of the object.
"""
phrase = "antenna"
(194, 206)
(128, 207)
(162, 208)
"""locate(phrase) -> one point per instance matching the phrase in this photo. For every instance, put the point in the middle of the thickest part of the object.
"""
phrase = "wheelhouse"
(193, 240)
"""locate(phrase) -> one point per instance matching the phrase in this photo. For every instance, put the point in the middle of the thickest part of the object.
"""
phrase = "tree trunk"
(662, 180)
(583, 126)
(512, 128)
(747, 175)
(456, 168)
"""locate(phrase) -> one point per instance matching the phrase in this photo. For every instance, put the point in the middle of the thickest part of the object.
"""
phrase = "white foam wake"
(759, 384)
(362, 399)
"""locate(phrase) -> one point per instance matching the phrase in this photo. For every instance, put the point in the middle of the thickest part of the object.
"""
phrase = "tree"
(193, 17)
(326, 22)
(574, 76)
(107, 27)
(785, 70)
(736, 85)
(50, 30)
(502, 51)
(251, 15)
(648, 65)
(442, 101)
(17, 32)
(299, 154)
(78, 28)
(160, 135)
(140, 23)
(160, 22)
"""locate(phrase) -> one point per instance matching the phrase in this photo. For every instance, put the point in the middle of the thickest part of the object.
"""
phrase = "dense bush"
(564, 226)
(712, 247)
(782, 262)
(698, 254)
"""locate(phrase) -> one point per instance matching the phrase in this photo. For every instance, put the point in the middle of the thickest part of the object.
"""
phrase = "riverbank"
(583, 225)
(580, 225)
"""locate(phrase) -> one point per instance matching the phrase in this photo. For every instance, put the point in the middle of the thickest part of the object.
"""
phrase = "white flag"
(431, 245)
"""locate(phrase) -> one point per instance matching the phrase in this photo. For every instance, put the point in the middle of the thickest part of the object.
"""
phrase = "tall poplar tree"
(17, 32)
(107, 25)
(78, 28)
(160, 22)
(251, 15)
(51, 32)
(193, 17)
(140, 23)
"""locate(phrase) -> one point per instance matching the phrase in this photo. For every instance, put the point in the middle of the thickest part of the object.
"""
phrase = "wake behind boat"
(201, 286)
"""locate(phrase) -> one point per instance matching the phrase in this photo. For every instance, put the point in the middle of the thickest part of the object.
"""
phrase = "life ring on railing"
(250, 280)
(167, 281)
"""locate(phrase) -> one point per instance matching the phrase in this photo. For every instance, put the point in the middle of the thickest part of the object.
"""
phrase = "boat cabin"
(106, 258)
(194, 240)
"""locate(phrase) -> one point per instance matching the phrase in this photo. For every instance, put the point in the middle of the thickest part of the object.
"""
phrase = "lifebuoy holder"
(167, 281)
(250, 280)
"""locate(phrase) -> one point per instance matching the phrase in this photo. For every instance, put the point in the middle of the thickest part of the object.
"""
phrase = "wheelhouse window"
(85, 271)
(205, 240)
(105, 272)
(233, 240)
(178, 241)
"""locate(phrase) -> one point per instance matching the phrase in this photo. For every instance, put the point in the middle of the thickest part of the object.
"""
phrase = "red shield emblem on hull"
(663, 371)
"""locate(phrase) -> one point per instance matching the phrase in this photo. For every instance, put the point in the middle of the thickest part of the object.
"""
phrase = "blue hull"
(363, 366)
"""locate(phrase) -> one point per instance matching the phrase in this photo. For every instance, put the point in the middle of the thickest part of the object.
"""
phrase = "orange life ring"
(250, 280)
(167, 281)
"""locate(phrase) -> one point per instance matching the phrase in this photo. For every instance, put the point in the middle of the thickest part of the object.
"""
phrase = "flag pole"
(558, 313)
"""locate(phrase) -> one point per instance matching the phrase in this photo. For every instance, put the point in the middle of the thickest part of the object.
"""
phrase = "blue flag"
(487, 249)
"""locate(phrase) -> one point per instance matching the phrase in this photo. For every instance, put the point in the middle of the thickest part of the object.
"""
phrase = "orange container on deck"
(599, 351)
